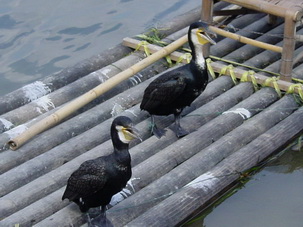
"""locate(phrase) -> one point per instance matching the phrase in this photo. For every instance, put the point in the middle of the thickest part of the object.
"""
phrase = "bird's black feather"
(95, 182)
(171, 92)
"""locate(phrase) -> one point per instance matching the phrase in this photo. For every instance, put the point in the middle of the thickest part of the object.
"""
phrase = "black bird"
(95, 182)
(171, 92)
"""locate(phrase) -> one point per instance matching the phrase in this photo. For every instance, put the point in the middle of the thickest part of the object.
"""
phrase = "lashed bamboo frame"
(217, 66)
(292, 13)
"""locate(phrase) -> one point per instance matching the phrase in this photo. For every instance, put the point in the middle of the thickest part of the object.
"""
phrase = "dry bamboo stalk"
(249, 22)
(79, 102)
(246, 52)
(136, 44)
(245, 40)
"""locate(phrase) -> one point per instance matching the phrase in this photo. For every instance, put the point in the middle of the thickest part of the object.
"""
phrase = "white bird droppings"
(205, 181)
(7, 124)
(105, 71)
(117, 109)
(16, 131)
(44, 103)
(35, 90)
(244, 113)
(117, 198)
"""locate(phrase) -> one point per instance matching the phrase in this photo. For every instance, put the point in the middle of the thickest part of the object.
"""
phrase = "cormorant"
(95, 182)
(171, 92)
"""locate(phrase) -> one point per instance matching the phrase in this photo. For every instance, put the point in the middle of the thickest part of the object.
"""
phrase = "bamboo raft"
(234, 126)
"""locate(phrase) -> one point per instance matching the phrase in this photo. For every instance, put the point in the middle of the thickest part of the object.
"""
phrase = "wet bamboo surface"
(232, 128)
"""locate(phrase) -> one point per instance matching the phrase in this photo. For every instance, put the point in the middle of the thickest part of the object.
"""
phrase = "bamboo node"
(273, 80)
(210, 68)
(231, 73)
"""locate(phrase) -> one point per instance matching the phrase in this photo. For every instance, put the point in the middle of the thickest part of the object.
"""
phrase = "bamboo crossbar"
(246, 40)
(84, 99)
(217, 67)
(269, 8)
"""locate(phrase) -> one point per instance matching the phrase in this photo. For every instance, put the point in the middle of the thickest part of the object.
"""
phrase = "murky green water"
(272, 198)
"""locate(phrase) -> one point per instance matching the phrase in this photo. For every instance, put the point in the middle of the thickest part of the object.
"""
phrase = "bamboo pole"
(246, 40)
(272, 8)
(288, 46)
(81, 101)
(250, 22)
(246, 52)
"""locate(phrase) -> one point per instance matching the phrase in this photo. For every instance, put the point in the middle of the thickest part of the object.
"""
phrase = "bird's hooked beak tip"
(209, 34)
(134, 133)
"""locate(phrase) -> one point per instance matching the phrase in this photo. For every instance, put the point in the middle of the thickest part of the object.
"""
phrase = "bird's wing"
(83, 182)
(163, 91)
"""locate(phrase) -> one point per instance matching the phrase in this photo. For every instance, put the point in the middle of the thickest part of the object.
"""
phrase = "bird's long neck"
(197, 56)
(120, 149)
(197, 53)
(118, 144)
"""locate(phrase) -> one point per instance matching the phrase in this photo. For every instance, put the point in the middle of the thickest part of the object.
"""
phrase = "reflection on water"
(273, 197)
(40, 37)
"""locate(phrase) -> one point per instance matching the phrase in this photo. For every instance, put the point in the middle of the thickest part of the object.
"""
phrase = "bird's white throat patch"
(122, 136)
(200, 60)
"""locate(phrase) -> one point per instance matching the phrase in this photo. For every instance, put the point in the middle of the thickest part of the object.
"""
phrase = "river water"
(41, 37)
(271, 198)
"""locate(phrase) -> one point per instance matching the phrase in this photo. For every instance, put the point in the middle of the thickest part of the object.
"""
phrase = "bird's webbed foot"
(176, 127)
(95, 218)
(178, 130)
(158, 132)
(100, 221)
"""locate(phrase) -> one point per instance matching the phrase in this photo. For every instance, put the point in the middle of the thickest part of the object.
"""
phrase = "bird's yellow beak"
(131, 133)
(203, 37)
